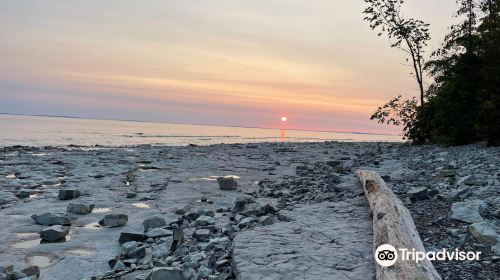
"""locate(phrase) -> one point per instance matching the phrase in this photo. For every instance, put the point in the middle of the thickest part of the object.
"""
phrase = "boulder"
(202, 234)
(166, 273)
(48, 219)
(154, 222)
(80, 208)
(54, 233)
(127, 236)
(67, 194)
(239, 204)
(485, 232)
(227, 184)
(417, 194)
(205, 221)
(114, 220)
(468, 211)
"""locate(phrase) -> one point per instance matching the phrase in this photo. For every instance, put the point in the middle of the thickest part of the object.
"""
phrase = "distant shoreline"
(197, 124)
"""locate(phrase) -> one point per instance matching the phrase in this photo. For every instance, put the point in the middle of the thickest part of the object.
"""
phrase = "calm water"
(42, 131)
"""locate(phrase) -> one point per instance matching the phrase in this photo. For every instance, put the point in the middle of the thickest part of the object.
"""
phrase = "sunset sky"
(225, 62)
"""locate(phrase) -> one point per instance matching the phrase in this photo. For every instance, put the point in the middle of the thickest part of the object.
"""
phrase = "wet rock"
(417, 194)
(127, 236)
(485, 232)
(67, 194)
(166, 273)
(202, 234)
(154, 222)
(158, 232)
(205, 221)
(80, 208)
(49, 219)
(266, 220)
(54, 233)
(114, 220)
(227, 184)
(468, 211)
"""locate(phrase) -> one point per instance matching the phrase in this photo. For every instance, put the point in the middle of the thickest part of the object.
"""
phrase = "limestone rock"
(127, 236)
(227, 184)
(468, 211)
(49, 219)
(485, 232)
(67, 194)
(80, 208)
(54, 233)
(154, 222)
(114, 220)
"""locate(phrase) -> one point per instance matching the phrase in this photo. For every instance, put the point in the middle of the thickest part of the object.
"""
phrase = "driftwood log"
(393, 224)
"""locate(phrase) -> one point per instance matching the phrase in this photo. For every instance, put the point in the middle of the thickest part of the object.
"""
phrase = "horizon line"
(197, 124)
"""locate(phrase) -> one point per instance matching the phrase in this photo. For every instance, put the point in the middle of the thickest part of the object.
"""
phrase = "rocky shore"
(238, 211)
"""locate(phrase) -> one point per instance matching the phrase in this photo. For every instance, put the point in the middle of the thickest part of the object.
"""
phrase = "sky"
(221, 62)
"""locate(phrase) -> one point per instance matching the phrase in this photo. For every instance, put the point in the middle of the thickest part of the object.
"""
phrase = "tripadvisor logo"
(386, 255)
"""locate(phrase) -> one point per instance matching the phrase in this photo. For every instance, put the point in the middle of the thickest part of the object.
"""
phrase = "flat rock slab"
(330, 240)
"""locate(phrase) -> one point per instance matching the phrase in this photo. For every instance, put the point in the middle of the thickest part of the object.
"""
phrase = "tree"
(489, 93)
(408, 34)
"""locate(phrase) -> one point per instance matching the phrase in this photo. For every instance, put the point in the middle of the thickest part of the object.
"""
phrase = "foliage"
(408, 34)
(463, 102)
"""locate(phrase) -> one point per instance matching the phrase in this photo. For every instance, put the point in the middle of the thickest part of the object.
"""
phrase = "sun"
(284, 118)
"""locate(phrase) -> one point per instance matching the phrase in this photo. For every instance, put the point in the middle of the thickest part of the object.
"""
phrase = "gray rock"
(114, 220)
(154, 222)
(205, 221)
(227, 184)
(33, 270)
(22, 193)
(80, 208)
(202, 234)
(206, 212)
(239, 204)
(417, 194)
(246, 222)
(7, 197)
(447, 173)
(67, 194)
(496, 249)
(48, 219)
(131, 194)
(54, 233)
(485, 232)
(158, 232)
(468, 211)
(266, 220)
(127, 236)
(166, 273)
(472, 180)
